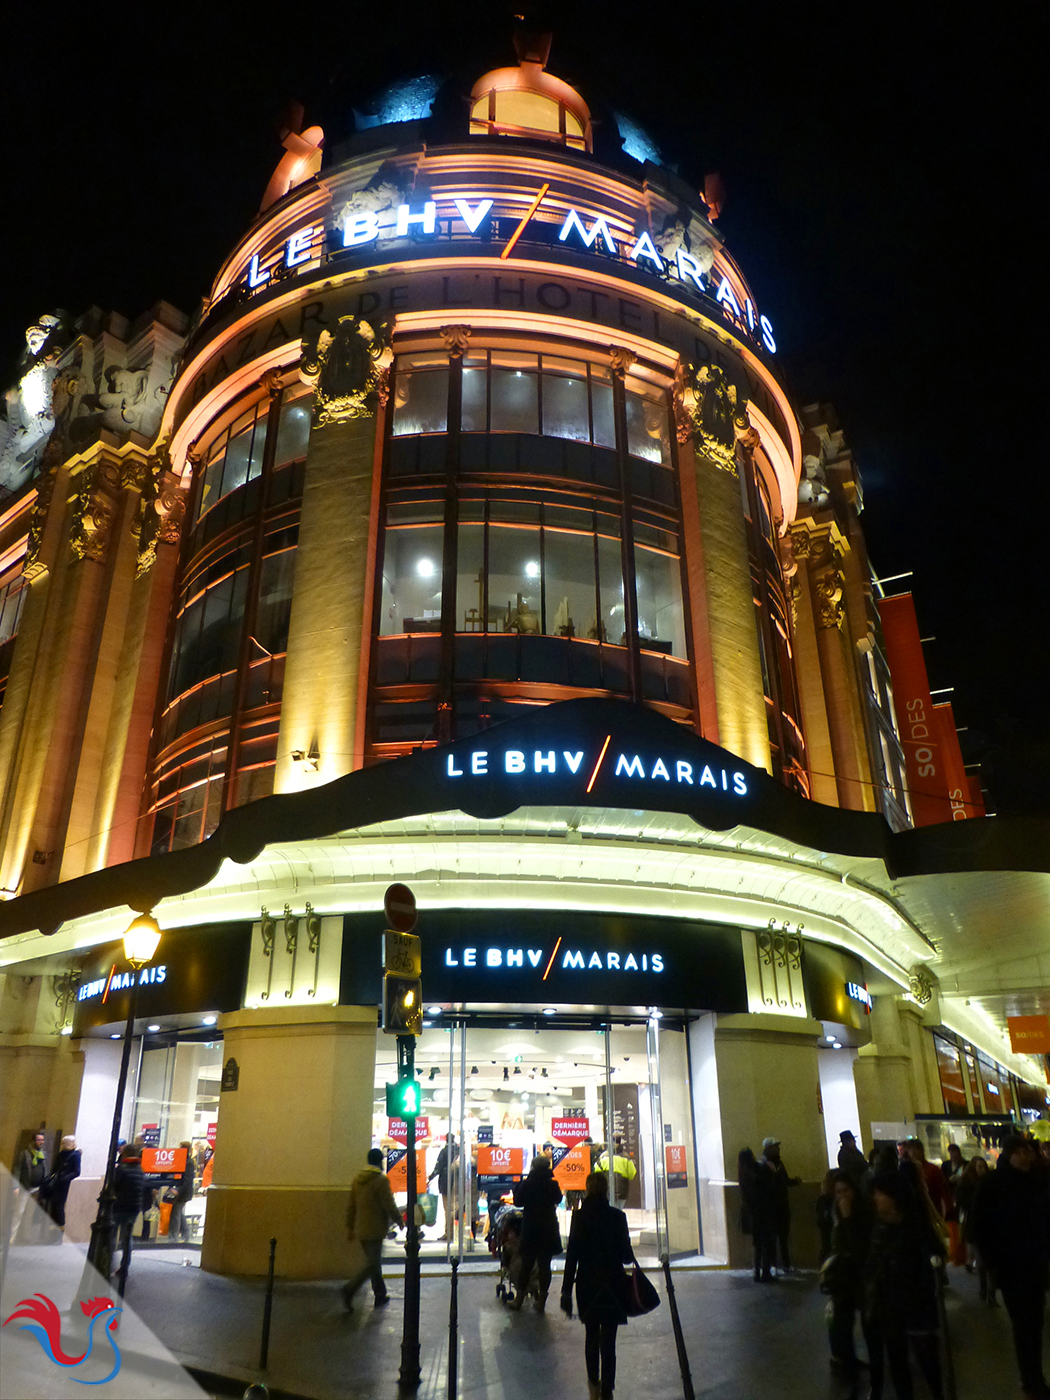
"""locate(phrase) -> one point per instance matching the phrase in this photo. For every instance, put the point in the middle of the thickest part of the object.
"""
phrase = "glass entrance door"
(612, 1098)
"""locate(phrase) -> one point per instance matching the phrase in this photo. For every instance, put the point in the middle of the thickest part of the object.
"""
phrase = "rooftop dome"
(528, 102)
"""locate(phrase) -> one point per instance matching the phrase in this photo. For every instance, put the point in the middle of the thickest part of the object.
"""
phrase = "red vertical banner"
(954, 768)
(919, 733)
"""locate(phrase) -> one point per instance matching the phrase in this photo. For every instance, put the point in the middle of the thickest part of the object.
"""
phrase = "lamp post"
(141, 941)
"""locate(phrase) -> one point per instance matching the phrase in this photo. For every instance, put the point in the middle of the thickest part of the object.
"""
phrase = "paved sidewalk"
(744, 1341)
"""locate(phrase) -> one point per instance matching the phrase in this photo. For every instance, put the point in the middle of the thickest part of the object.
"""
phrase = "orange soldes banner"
(954, 769)
(573, 1169)
(164, 1159)
(1029, 1035)
(923, 757)
(397, 1170)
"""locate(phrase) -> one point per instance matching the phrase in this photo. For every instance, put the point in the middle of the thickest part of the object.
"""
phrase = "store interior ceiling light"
(153, 1028)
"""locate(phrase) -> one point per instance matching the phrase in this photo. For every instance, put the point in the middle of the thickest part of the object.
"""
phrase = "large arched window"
(530, 540)
(215, 737)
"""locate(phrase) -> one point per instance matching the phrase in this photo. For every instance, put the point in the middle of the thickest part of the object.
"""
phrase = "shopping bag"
(642, 1297)
(427, 1203)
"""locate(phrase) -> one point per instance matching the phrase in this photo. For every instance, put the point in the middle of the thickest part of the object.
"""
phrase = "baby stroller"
(505, 1245)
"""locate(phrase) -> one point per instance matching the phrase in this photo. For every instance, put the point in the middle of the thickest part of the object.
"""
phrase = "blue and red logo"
(46, 1326)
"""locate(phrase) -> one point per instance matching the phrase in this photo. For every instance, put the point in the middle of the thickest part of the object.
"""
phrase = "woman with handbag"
(55, 1190)
(599, 1247)
(842, 1272)
(538, 1197)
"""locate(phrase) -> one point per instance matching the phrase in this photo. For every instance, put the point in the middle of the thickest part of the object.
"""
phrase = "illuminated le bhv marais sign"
(680, 772)
(364, 227)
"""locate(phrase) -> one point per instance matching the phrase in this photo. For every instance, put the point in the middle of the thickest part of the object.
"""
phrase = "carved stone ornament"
(349, 370)
(456, 339)
(621, 359)
(45, 490)
(801, 544)
(94, 511)
(920, 986)
(713, 412)
(271, 382)
(163, 509)
(828, 588)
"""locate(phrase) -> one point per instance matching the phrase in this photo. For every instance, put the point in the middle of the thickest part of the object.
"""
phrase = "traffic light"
(402, 1005)
(404, 1099)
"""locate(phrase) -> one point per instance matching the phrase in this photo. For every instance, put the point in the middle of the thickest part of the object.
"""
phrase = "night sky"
(882, 171)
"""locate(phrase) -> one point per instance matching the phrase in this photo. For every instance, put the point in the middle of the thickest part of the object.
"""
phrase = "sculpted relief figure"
(348, 368)
(714, 412)
(30, 408)
(379, 196)
(813, 488)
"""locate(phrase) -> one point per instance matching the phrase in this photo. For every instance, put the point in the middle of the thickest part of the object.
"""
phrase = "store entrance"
(592, 1094)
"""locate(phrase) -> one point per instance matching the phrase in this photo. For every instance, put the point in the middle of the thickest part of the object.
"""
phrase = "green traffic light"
(404, 1098)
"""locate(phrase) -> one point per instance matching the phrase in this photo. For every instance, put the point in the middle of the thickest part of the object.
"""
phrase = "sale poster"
(397, 1129)
(397, 1169)
(572, 1166)
(499, 1166)
(676, 1170)
(212, 1130)
(170, 1160)
(570, 1130)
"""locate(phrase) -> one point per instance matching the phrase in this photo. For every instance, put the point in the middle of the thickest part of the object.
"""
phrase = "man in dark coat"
(537, 1196)
(55, 1190)
(758, 1212)
(129, 1186)
(781, 1204)
(852, 1160)
(32, 1170)
(445, 1169)
(1009, 1223)
(599, 1247)
(178, 1225)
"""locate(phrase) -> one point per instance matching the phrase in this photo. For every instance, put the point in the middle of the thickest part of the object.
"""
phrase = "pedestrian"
(178, 1225)
(599, 1247)
(952, 1169)
(965, 1195)
(842, 1273)
(900, 1290)
(55, 1190)
(447, 1173)
(129, 1186)
(825, 1212)
(941, 1198)
(371, 1212)
(32, 1171)
(623, 1171)
(1010, 1225)
(758, 1211)
(537, 1197)
(851, 1158)
(781, 1203)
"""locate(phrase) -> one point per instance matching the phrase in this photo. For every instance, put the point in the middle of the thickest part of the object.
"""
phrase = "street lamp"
(141, 940)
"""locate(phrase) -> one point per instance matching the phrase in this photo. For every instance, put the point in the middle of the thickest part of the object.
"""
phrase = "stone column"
(819, 752)
(290, 1139)
(839, 672)
(710, 417)
(756, 1076)
(328, 632)
(896, 1074)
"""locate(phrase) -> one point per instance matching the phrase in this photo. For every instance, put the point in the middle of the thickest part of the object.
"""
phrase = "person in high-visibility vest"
(624, 1170)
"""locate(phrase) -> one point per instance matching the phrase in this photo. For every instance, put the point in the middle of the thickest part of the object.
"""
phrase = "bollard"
(256, 1391)
(679, 1339)
(453, 1333)
(264, 1347)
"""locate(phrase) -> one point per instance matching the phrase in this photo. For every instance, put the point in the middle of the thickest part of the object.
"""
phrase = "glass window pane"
(275, 602)
(421, 403)
(610, 578)
(647, 431)
(411, 581)
(514, 580)
(255, 461)
(602, 413)
(474, 414)
(293, 433)
(515, 404)
(237, 458)
(533, 110)
(568, 563)
(470, 591)
(514, 359)
(565, 408)
(658, 581)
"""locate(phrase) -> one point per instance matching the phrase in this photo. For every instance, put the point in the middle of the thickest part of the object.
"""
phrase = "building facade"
(469, 537)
